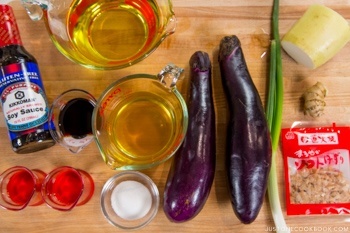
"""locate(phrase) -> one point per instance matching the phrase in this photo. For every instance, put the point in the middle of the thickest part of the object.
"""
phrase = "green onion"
(272, 86)
(274, 118)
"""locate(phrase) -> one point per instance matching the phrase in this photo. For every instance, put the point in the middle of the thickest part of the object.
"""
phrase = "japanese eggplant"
(248, 152)
(192, 171)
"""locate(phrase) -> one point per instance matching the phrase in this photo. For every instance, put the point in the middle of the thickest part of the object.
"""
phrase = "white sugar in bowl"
(129, 200)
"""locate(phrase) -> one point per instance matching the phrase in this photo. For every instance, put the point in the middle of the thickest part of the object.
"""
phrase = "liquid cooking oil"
(142, 128)
(112, 30)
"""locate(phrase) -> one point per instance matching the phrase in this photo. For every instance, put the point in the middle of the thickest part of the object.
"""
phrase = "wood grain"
(201, 25)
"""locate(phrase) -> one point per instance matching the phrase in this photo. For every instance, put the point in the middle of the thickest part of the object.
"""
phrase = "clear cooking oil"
(144, 126)
(111, 30)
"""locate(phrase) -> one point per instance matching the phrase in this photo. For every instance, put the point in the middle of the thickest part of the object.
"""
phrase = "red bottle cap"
(9, 33)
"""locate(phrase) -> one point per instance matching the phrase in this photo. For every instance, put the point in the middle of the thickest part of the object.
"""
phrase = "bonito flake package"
(317, 169)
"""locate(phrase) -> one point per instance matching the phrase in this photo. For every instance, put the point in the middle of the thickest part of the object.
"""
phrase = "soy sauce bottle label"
(22, 96)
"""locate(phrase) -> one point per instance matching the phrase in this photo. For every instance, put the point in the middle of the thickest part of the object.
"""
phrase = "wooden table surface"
(201, 25)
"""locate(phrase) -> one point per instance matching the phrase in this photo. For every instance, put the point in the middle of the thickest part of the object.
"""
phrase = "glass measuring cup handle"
(169, 75)
(35, 8)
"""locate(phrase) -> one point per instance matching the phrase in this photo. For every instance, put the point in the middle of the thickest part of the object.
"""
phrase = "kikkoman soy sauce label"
(23, 100)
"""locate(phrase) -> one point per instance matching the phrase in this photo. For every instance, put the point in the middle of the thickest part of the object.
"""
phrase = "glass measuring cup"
(20, 187)
(140, 120)
(70, 119)
(105, 34)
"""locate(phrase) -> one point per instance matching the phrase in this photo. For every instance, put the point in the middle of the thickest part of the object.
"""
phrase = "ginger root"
(314, 102)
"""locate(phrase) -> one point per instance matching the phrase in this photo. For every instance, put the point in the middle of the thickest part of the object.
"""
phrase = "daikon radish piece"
(317, 36)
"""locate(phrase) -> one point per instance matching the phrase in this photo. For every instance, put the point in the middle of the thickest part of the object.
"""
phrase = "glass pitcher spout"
(35, 8)
(171, 26)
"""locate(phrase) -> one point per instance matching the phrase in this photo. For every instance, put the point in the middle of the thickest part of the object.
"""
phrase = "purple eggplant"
(192, 171)
(248, 152)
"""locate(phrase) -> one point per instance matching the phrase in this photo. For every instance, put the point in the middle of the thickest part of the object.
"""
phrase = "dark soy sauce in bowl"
(75, 118)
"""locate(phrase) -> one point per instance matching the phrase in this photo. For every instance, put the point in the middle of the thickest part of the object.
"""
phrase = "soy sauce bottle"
(23, 98)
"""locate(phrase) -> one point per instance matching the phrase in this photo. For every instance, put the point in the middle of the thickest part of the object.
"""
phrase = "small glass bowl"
(108, 197)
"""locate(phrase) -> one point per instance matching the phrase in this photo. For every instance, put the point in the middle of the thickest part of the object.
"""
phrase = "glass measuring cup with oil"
(105, 34)
(140, 120)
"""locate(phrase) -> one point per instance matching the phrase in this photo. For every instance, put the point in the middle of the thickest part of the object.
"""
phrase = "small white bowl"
(129, 200)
